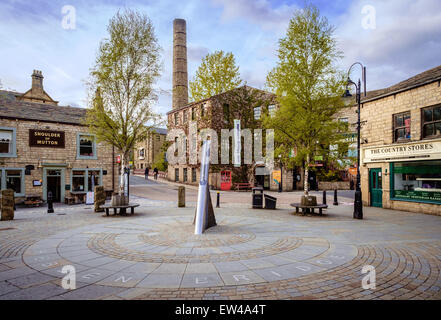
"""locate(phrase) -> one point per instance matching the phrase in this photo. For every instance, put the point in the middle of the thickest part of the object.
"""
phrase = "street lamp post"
(358, 204)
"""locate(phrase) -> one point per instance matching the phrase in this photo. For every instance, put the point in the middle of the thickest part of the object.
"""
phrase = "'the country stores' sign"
(46, 138)
(409, 151)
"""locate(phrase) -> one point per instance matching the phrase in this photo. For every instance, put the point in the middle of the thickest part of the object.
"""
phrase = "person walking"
(146, 172)
(156, 173)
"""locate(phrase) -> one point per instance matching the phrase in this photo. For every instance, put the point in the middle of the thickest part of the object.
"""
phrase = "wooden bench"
(122, 209)
(243, 186)
(305, 208)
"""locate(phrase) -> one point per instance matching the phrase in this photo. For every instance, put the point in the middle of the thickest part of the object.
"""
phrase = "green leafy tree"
(217, 73)
(121, 84)
(308, 88)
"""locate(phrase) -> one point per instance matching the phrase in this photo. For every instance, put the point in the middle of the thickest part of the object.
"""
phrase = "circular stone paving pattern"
(163, 252)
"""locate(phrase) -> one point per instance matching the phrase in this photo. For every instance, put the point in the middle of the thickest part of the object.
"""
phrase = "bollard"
(181, 197)
(335, 198)
(7, 203)
(324, 196)
(50, 204)
(218, 200)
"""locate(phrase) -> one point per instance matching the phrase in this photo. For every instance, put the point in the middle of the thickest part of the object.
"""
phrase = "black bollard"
(218, 200)
(324, 196)
(50, 204)
(335, 198)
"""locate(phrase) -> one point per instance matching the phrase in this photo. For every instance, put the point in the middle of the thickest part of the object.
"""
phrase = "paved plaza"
(250, 254)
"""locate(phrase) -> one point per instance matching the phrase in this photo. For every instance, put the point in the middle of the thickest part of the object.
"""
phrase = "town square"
(220, 150)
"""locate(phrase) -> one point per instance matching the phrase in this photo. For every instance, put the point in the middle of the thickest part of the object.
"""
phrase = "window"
(401, 126)
(345, 120)
(203, 110)
(226, 108)
(272, 110)
(86, 147)
(7, 142)
(176, 118)
(141, 153)
(416, 181)
(158, 137)
(257, 112)
(81, 184)
(193, 113)
(185, 116)
(177, 175)
(431, 121)
(13, 178)
(185, 174)
(193, 174)
(78, 182)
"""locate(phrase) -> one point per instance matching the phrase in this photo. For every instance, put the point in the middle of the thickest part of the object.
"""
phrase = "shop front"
(403, 177)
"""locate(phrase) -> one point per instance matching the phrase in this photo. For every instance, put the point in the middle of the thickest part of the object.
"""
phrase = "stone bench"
(308, 207)
(122, 208)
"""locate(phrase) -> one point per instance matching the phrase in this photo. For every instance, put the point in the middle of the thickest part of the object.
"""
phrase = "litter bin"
(257, 198)
(270, 202)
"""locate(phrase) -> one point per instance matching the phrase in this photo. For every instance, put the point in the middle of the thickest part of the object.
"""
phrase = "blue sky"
(406, 40)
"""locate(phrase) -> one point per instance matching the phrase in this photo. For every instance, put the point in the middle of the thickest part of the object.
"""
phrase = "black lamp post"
(358, 204)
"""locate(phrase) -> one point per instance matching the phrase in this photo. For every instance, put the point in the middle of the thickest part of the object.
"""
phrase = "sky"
(394, 39)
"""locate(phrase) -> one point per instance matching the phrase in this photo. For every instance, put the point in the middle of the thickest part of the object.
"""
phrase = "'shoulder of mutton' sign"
(46, 138)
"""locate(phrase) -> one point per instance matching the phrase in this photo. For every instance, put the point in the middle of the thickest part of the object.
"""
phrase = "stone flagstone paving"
(251, 254)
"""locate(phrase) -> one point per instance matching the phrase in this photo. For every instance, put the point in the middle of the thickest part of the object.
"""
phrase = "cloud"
(259, 12)
(196, 53)
(406, 40)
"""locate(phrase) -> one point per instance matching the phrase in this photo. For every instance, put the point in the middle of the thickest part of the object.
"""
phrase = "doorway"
(53, 181)
(376, 187)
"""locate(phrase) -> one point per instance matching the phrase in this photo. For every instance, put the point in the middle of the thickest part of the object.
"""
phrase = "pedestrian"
(146, 172)
(156, 173)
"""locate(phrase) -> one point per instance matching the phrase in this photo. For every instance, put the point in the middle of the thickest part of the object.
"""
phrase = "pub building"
(46, 147)
(401, 145)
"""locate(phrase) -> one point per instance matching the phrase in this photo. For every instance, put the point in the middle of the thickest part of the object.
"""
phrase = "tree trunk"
(122, 181)
(306, 176)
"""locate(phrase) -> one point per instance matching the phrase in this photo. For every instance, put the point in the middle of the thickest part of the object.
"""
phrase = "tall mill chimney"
(180, 77)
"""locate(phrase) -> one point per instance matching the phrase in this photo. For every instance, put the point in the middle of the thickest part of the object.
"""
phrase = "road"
(168, 191)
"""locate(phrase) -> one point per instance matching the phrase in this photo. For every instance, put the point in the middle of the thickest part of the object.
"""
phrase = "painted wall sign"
(423, 150)
(46, 138)
(277, 176)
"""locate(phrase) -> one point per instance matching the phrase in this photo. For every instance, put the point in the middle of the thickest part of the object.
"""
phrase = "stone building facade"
(45, 147)
(401, 150)
(147, 151)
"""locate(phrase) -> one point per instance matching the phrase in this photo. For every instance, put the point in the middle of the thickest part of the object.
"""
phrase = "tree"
(308, 88)
(217, 73)
(121, 84)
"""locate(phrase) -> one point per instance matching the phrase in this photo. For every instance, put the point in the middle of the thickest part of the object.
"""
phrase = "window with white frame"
(272, 110)
(86, 179)
(86, 146)
(7, 142)
(257, 113)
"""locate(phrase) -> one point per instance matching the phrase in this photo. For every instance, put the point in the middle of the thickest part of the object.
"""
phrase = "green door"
(375, 187)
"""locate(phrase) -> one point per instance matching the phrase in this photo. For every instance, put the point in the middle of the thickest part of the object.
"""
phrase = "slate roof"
(12, 108)
(420, 79)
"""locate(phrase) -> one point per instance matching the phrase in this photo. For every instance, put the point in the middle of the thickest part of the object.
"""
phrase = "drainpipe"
(113, 168)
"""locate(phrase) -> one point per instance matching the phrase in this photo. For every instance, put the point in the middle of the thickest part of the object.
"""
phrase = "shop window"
(416, 181)
(431, 122)
(193, 174)
(86, 146)
(14, 179)
(7, 142)
(81, 184)
(257, 113)
(185, 174)
(402, 127)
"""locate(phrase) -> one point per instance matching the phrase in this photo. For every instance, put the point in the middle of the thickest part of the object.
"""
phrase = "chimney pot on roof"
(37, 80)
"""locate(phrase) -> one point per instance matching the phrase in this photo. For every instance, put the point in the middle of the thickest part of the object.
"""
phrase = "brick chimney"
(180, 77)
(37, 81)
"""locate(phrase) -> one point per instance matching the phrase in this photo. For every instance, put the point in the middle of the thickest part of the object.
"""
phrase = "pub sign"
(46, 138)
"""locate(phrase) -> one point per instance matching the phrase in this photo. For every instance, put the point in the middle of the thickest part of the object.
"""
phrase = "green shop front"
(405, 176)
